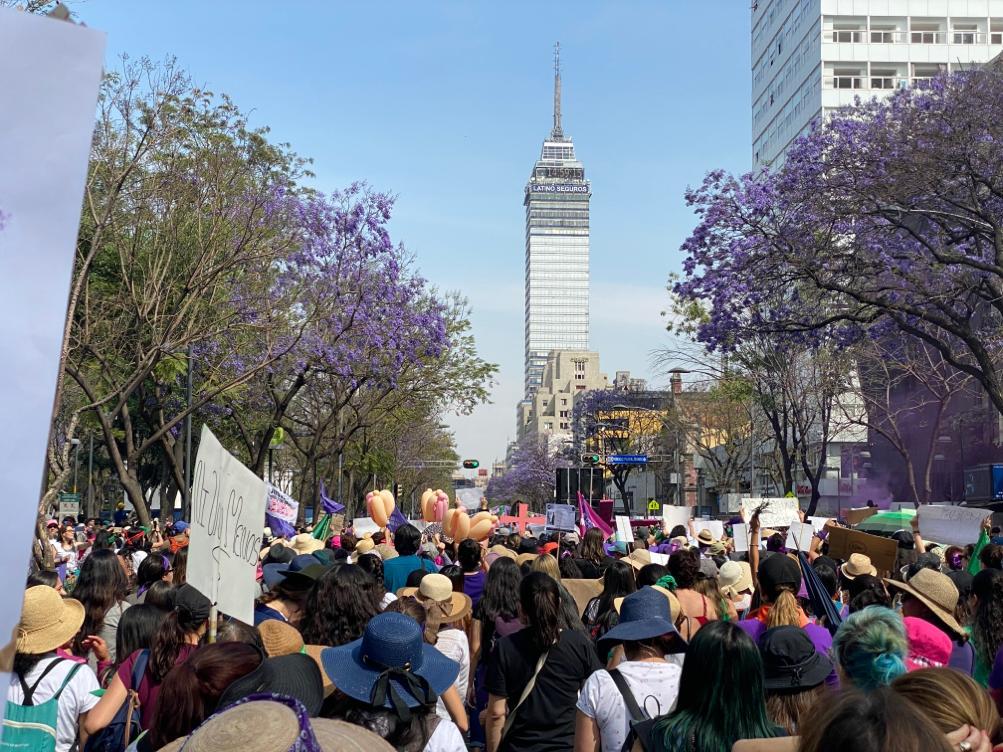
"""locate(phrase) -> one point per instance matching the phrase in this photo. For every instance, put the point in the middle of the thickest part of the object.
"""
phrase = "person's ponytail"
(541, 604)
(784, 612)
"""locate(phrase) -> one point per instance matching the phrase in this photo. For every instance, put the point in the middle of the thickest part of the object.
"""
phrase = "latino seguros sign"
(558, 188)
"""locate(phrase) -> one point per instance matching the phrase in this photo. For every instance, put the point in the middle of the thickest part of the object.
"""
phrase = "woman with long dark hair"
(600, 615)
(153, 568)
(180, 566)
(471, 562)
(373, 564)
(176, 639)
(987, 621)
(136, 631)
(339, 606)
(102, 588)
(192, 689)
(592, 558)
(535, 674)
(721, 695)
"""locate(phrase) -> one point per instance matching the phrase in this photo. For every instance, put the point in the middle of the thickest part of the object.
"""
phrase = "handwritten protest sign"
(777, 512)
(716, 527)
(228, 514)
(859, 514)
(280, 512)
(799, 536)
(561, 517)
(624, 532)
(953, 526)
(673, 515)
(843, 542)
(51, 73)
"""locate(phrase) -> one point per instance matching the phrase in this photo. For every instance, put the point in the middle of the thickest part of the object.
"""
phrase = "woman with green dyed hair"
(870, 648)
(721, 696)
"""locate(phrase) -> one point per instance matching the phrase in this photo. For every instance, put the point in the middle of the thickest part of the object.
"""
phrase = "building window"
(564, 426)
(548, 426)
(564, 401)
(564, 413)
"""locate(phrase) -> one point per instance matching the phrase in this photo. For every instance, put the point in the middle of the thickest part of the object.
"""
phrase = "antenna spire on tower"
(557, 134)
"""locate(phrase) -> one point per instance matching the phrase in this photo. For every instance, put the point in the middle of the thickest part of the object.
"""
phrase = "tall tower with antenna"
(557, 249)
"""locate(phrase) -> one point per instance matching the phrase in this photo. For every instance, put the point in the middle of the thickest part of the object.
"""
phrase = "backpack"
(638, 715)
(30, 727)
(126, 725)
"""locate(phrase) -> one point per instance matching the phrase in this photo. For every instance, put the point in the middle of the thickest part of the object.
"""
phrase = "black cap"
(190, 600)
(790, 660)
(779, 570)
(296, 675)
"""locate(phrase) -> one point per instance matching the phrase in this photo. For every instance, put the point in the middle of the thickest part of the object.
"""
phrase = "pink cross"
(522, 519)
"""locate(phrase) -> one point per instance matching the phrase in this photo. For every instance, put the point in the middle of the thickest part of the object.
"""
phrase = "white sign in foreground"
(799, 536)
(673, 515)
(715, 527)
(228, 516)
(624, 532)
(952, 526)
(51, 73)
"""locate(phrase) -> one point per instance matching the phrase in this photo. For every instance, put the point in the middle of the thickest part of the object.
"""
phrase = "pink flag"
(589, 519)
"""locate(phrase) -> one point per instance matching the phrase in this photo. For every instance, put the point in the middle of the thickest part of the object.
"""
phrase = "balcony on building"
(888, 30)
(840, 76)
(928, 31)
(922, 73)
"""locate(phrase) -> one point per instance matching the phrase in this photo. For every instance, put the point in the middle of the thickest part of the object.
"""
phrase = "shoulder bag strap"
(29, 692)
(67, 680)
(525, 693)
(635, 710)
(139, 668)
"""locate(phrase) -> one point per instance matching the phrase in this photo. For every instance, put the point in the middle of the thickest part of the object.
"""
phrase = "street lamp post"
(676, 379)
(76, 461)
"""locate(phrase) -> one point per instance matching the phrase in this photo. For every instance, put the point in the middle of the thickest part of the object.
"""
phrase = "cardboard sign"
(716, 527)
(952, 526)
(561, 517)
(673, 515)
(778, 512)
(843, 542)
(858, 515)
(799, 536)
(740, 531)
(228, 516)
(624, 532)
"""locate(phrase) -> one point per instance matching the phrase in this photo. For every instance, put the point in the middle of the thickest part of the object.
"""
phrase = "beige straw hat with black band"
(48, 621)
(437, 589)
(936, 592)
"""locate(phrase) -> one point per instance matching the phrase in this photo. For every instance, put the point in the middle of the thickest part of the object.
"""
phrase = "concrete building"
(812, 56)
(557, 251)
(548, 411)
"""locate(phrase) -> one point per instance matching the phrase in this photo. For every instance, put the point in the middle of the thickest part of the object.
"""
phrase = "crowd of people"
(410, 641)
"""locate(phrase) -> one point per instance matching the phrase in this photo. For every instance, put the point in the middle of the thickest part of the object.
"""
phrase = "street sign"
(628, 459)
(69, 505)
(653, 506)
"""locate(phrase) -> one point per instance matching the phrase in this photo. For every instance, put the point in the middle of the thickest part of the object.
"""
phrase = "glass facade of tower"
(557, 257)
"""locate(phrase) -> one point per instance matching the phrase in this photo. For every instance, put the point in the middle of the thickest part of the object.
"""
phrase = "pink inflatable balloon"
(482, 525)
(456, 524)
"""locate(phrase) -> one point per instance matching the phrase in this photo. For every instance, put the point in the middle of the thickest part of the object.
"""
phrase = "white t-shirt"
(453, 644)
(655, 687)
(445, 738)
(75, 699)
(388, 598)
(69, 558)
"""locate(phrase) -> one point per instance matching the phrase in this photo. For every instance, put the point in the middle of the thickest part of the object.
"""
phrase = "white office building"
(557, 251)
(812, 56)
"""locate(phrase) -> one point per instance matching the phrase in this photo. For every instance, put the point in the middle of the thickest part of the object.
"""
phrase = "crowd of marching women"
(410, 641)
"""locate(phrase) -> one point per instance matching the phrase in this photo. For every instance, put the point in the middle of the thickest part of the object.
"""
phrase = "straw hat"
(304, 543)
(639, 558)
(500, 550)
(48, 621)
(386, 551)
(436, 588)
(314, 652)
(280, 638)
(364, 546)
(706, 537)
(936, 592)
(857, 565)
(523, 558)
(734, 577)
(339, 736)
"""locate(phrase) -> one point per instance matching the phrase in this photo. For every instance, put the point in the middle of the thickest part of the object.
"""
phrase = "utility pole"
(186, 492)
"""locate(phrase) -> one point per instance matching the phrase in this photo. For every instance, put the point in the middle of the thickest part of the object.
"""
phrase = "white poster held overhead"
(673, 515)
(799, 536)
(624, 532)
(777, 512)
(716, 527)
(51, 74)
(740, 531)
(952, 526)
(228, 517)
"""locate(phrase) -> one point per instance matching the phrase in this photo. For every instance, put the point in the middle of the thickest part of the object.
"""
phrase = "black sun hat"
(790, 660)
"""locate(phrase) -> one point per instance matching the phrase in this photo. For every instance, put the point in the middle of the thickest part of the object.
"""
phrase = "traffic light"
(590, 459)
(471, 464)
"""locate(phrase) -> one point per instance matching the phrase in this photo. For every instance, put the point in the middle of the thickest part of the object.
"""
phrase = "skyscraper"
(557, 249)
(811, 56)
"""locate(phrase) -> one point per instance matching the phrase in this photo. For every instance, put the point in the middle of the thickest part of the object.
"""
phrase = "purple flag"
(396, 520)
(330, 506)
(589, 518)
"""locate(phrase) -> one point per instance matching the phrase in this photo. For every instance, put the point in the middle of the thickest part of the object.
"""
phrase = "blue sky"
(447, 103)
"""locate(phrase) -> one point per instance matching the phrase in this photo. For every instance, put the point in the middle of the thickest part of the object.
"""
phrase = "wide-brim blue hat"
(391, 647)
(273, 574)
(643, 615)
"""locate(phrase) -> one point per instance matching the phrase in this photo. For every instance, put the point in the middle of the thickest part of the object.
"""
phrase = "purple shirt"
(473, 585)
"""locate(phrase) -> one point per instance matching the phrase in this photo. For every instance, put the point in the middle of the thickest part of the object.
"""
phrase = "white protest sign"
(228, 516)
(624, 532)
(716, 527)
(818, 523)
(657, 558)
(799, 536)
(561, 517)
(740, 531)
(363, 525)
(953, 526)
(673, 515)
(777, 512)
(51, 74)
